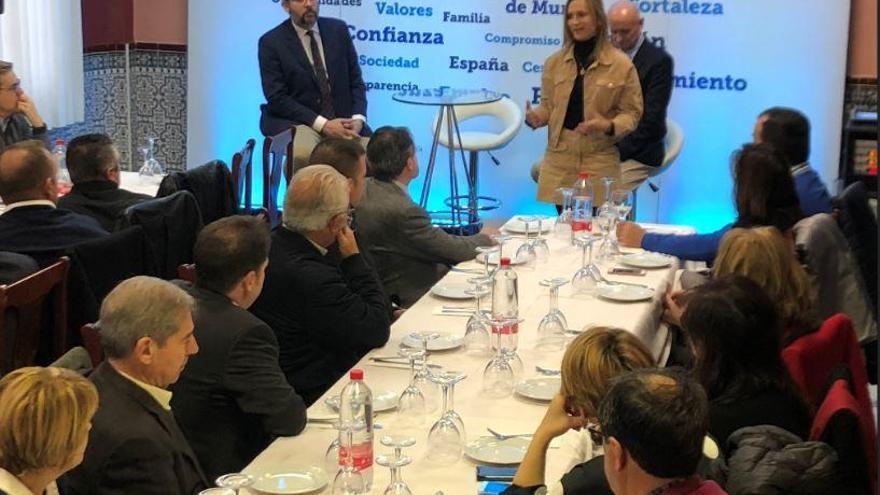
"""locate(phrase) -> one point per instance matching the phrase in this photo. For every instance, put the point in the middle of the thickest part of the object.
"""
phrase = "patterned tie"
(323, 81)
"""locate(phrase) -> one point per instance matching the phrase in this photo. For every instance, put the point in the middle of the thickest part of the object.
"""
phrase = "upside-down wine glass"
(423, 376)
(501, 239)
(446, 438)
(583, 280)
(485, 251)
(411, 406)
(525, 253)
(606, 220)
(478, 332)
(498, 375)
(235, 481)
(542, 249)
(562, 227)
(551, 330)
(397, 486)
(348, 481)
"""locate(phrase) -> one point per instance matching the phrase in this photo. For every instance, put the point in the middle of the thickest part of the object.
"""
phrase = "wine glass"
(348, 481)
(622, 200)
(447, 381)
(411, 406)
(583, 280)
(446, 438)
(478, 332)
(398, 443)
(525, 253)
(562, 227)
(486, 251)
(146, 169)
(397, 485)
(551, 330)
(155, 166)
(423, 376)
(498, 375)
(501, 239)
(331, 456)
(542, 249)
(235, 481)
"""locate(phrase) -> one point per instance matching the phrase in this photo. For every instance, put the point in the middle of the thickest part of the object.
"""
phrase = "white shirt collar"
(162, 396)
(11, 485)
(30, 202)
(799, 168)
(321, 249)
(401, 186)
(301, 31)
(632, 52)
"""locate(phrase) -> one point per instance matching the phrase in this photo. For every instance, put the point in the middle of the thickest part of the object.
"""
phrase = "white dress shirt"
(11, 485)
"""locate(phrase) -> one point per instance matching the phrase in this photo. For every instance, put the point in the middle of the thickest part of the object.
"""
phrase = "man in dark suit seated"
(135, 445)
(31, 223)
(325, 312)
(232, 399)
(93, 162)
(410, 253)
(311, 79)
(642, 150)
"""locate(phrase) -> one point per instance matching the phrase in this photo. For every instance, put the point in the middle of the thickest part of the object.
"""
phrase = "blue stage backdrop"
(733, 58)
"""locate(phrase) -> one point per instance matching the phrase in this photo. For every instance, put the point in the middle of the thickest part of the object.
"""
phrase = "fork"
(501, 437)
(547, 371)
(598, 275)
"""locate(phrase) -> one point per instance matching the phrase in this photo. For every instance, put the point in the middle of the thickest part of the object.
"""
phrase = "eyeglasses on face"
(15, 88)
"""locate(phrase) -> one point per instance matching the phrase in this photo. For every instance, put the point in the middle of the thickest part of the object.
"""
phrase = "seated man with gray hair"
(327, 312)
(135, 445)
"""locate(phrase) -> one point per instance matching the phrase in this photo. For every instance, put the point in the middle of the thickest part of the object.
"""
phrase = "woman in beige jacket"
(590, 98)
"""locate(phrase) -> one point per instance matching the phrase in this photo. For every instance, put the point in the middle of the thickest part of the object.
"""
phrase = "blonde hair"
(763, 255)
(599, 16)
(44, 413)
(594, 358)
(316, 194)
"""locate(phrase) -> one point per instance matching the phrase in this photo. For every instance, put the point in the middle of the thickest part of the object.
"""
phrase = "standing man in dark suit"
(326, 311)
(311, 79)
(642, 150)
(93, 162)
(31, 223)
(232, 399)
(410, 253)
(135, 445)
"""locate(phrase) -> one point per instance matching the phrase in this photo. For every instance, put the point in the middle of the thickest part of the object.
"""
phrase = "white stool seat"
(504, 110)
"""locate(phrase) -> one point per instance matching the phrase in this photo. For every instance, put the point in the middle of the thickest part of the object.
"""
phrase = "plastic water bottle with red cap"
(582, 205)
(59, 152)
(505, 307)
(356, 427)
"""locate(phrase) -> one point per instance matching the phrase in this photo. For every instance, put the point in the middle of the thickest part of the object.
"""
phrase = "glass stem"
(477, 298)
(554, 298)
(445, 398)
(584, 256)
(451, 399)
(395, 476)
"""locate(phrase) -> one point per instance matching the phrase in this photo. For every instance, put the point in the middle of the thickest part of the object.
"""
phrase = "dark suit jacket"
(135, 446)
(646, 143)
(232, 399)
(102, 200)
(291, 86)
(409, 252)
(211, 185)
(326, 315)
(43, 231)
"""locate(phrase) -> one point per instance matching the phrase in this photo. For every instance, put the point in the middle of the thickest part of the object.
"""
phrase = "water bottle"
(505, 304)
(356, 423)
(582, 209)
(59, 152)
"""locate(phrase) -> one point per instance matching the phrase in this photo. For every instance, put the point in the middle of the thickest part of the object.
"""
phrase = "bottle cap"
(583, 175)
(356, 374)
(59, 141)
(505, 261)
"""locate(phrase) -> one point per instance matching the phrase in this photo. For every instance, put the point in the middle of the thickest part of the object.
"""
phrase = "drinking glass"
(446, 438)
(235, 481)
(498, 375)
(411, 406)
(398, 443)
(542, 249)
(447, 381)
(478, 332)
(607, 219)
(486, 251)
(525, 253)
(154, 164)
(583, 280)
(397, 485)
(348, 481)
(146, 169)
(501, 239)
(331, 456)
(423, 376)
(551, 330)
(562, 227)
(622, 200)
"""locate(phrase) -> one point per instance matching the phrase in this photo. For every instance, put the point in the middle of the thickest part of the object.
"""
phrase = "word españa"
(491, 65)
(390, 34)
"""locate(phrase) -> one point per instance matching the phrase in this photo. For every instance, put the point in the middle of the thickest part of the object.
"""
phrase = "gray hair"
(315, 195)
(141, 307)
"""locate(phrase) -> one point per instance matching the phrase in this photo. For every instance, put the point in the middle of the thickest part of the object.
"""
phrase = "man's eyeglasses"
(15, 88)
(596, 434)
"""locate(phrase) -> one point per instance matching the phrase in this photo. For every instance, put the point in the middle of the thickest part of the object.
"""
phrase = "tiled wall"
(158, 104)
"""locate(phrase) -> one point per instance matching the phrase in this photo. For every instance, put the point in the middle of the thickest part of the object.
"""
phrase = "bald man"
(642, 150)
(31, 223)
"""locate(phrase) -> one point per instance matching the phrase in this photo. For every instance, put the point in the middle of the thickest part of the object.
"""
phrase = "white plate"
(494, 451)
(305, 479)
(452, 290)
(517, 225)
(624, 293)
(647, 259)
(509, 252)
(442, 343)
(542, 388)
(383, 400)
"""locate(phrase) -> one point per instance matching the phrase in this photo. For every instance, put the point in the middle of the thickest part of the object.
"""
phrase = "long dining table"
(509, 415)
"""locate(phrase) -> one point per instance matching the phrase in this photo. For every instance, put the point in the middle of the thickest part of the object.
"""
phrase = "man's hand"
(355, 126)
(630, 234)
(347, 243)
(27, 107)
(338, 128)
(490, 231)
(557, 421)
(533, 118)
(673, 307)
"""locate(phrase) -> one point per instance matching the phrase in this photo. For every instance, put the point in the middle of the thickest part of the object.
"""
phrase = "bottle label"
(506, 329)
(581, 226)
(362, 455)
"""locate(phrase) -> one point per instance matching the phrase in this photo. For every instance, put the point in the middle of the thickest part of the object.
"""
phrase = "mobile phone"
(623, 270)
(492, 488)
(495, 473)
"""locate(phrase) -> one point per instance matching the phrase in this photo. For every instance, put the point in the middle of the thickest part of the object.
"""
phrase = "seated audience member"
(590, 362)
(651, 425)
(348, 158)
(326, 313)
(788, 131)
(31, 222)
(45, 415)
(18, 114)
(135, 445)
(232, 399)
(735, 331)
(762, 255)
(410, 253)
(93, 162)
(14, 267)
(764, 194)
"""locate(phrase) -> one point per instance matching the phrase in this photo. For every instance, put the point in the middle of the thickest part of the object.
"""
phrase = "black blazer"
(646, 143)
(232, 399)
(291, 86)
(211, 185)
(43, 231)
(135, 446)
(326, 315)
(102, 200)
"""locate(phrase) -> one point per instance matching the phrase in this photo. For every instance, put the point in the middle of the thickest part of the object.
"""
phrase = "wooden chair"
(40, 303)
(277, 160)
(187, 272)
(91, 340)
(242, 177)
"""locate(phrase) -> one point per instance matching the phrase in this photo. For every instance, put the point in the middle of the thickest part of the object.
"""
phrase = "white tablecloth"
(512, 414)
(131, 181)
